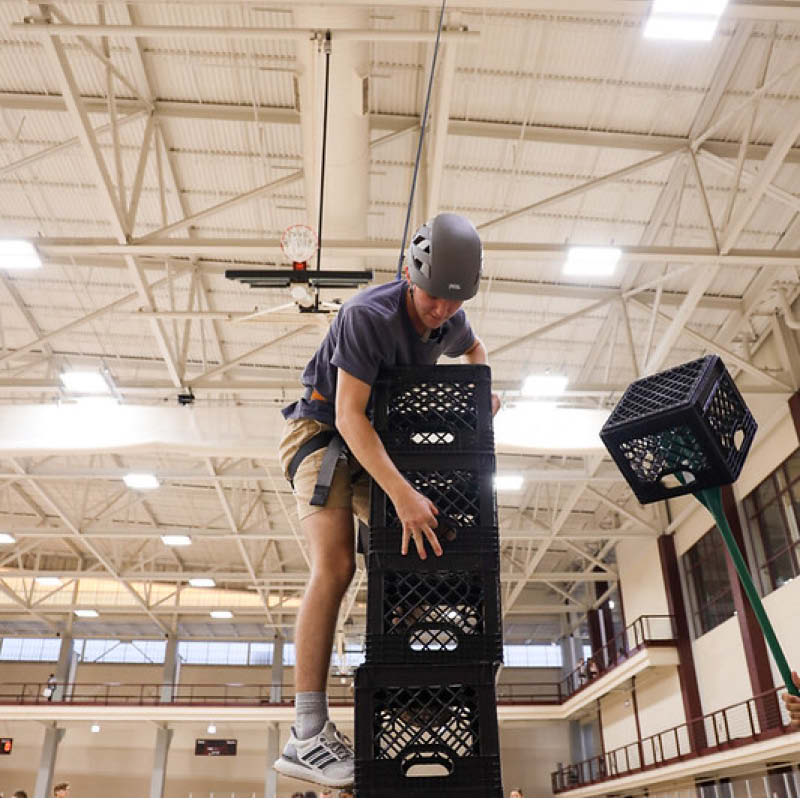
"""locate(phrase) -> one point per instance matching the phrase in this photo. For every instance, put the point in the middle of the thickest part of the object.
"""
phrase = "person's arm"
(417, 514)
(477, 355)
(792, 704)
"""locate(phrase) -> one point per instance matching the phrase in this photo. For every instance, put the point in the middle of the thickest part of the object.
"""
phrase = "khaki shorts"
(348, 489)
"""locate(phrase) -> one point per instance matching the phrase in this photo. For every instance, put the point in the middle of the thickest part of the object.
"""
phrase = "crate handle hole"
(675, 479)
(427, 764)
(738, 439)
(433, 640)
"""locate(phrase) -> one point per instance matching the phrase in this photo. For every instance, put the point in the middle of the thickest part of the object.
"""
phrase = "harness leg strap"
(316, 442)
(325, 475)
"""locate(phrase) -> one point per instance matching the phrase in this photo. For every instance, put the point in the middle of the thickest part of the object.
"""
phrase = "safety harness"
(334, 447)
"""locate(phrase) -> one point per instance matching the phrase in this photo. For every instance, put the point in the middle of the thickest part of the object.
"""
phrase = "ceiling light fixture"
(687, 20)
(221, 614)
(202, 583)
(48, 580)
(85, 382)
(211, 728)
(7, 538)
(141, 480)
(95, 728)
(544, 385)
(18, 254)
(593, 262)
(176, 540)
(508, 483)
(86, 612)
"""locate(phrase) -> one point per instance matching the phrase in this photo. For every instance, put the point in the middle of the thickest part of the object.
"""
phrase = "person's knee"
(336, 572)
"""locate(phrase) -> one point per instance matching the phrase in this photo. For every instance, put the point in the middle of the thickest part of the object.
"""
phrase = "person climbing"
(329, 449)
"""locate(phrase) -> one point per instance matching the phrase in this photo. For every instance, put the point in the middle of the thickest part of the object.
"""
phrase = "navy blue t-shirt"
(371, 331)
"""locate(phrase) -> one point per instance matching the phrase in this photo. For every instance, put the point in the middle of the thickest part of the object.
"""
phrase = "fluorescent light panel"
(687, 20)
(176, 539)
(202, 583)
(221, 614)
(544, 385)
(211, 729)
(84, 382)
(18, 254)
(86, 612)
(595, 262)
(48, 580)
(7, 538)
(141, 480)
(95, 728)
(508, 483)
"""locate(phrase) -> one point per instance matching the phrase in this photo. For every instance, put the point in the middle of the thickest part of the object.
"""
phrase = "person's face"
(61, 792)
(433, 311)
(515, 794)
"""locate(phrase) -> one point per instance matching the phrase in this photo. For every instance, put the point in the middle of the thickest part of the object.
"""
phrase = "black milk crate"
(440, 719)
(434, 409)
(679, 431)
(460, 486)
(433, 616)
(381, 547)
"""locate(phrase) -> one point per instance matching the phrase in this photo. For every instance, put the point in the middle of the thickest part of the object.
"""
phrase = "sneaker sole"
(292, 770)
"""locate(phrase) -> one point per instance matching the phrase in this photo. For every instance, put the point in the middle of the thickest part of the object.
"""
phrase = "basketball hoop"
(299, 243)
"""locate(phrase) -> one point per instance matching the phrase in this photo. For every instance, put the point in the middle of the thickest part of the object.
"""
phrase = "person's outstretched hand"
(792, 704)
(417, 515)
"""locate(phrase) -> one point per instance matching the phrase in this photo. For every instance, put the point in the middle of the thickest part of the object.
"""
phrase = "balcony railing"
(760, 717)
(647, 631)
(222, 694)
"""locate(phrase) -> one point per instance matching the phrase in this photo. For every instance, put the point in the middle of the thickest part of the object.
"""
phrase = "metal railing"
(761, 717)
(148, 694)
(646, 631)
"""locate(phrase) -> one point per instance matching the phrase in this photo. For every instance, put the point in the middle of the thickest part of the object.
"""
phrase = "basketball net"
(299, 243)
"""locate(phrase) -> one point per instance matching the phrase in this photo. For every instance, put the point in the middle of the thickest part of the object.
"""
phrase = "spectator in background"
(792, 704)
(50, 689)
(516, 793)
(326, 793)
(583, 674)
(310, 793)
(20, 793)
(594, 670)
(61, 789)
(298, 794)
(345, 793)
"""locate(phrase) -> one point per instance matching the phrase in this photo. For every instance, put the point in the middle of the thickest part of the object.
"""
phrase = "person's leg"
(329, 534)
(316, 751)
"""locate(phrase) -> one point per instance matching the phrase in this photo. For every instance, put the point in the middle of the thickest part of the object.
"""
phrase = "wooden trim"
(692, 708)
(595, 634)
(794, 409)
(755, 648)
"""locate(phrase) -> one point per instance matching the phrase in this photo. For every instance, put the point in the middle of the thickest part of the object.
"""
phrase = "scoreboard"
(215, 747)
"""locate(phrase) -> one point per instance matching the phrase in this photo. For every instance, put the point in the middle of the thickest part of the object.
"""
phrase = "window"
(706, 571)
(260, 653)
(773, 510)
(213, 652)
(30, 649)
(532, 655)
(114, 651)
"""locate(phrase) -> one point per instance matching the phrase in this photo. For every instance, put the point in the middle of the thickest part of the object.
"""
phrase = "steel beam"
(117, 216)
(160, 756)
(47, 760)
(232, 33)
(398, 123)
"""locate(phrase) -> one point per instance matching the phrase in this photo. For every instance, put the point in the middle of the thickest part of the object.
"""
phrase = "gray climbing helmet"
(445, 257)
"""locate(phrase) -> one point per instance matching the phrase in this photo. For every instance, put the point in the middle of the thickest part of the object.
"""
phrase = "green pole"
(712, 500)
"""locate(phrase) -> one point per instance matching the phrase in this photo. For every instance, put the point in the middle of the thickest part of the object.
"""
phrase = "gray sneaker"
(326, 758)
